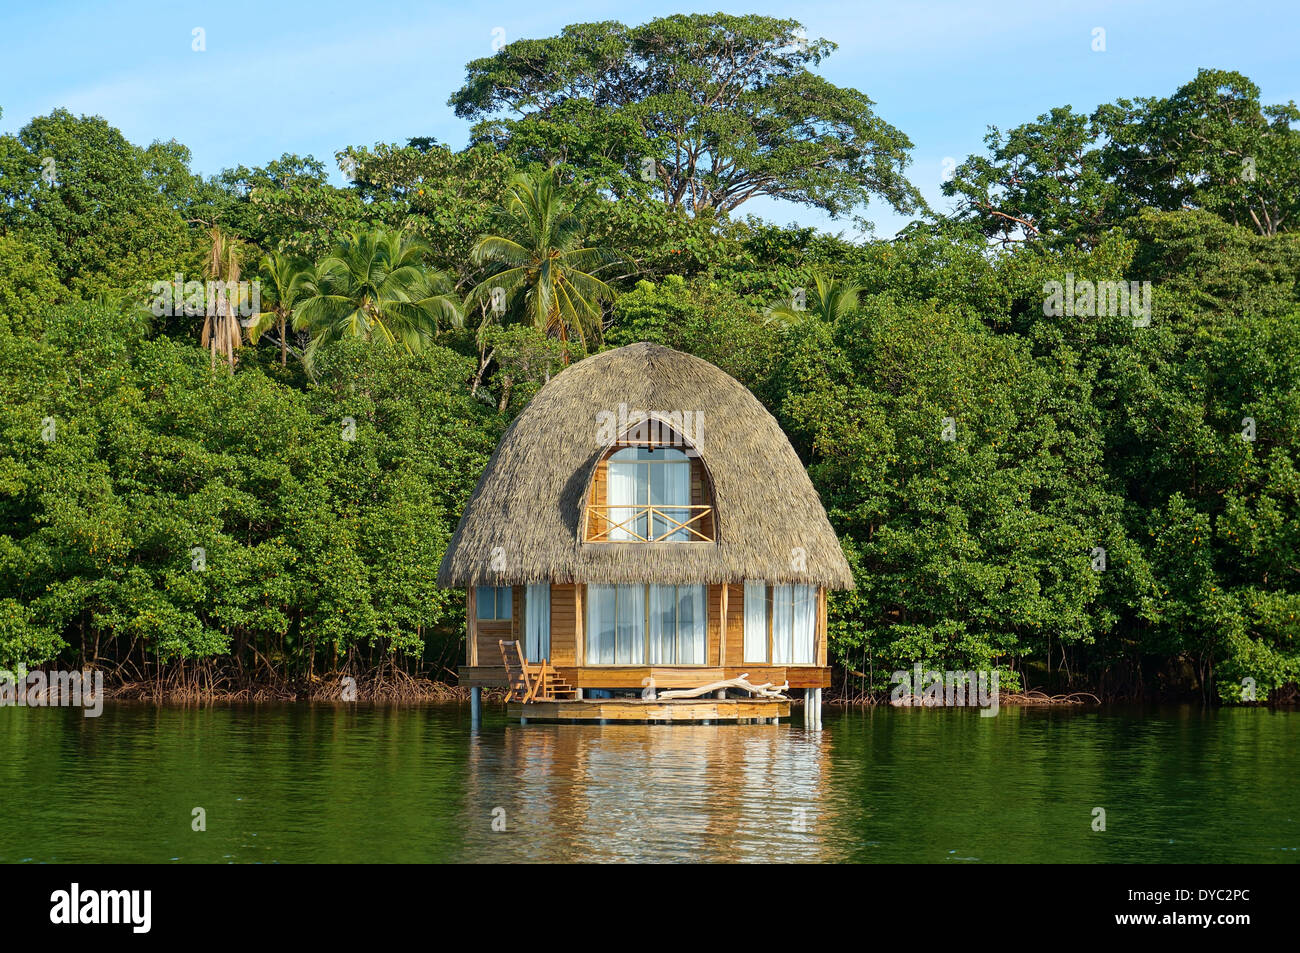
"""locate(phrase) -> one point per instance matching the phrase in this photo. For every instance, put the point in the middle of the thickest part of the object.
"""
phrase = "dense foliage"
(1083, 496)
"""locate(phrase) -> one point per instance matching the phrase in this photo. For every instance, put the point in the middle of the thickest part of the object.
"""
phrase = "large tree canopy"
(1212, 146)
(707, 110)
(105, 211)
(1069, 176)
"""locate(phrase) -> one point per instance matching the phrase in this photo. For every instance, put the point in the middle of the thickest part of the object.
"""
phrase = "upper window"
(492, 603)
(651, 486)
(649, 494)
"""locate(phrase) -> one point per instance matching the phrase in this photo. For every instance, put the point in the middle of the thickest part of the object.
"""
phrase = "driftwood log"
(766, 690)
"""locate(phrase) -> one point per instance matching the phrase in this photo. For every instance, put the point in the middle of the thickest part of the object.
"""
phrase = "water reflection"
(652, 792)
(352, 784)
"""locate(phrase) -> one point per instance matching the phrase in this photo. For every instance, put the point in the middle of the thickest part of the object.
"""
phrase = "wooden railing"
(649, 524)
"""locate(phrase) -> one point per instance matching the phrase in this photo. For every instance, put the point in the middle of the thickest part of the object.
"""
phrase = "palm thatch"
(524, 521)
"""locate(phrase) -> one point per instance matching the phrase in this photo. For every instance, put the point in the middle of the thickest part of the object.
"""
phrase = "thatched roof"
(528, 506)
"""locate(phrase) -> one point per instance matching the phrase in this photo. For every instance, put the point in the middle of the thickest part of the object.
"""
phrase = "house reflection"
(633, 792)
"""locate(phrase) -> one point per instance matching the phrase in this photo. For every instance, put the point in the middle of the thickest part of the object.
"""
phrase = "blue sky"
(312, 77)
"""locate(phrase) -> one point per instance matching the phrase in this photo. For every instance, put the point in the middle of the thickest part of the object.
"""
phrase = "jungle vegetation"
(1082, 498)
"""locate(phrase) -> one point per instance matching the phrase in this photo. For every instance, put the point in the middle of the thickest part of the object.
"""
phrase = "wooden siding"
(517, 613)
(564, 625)
(489, 633)
(713, 628)
(823, 633)
(735, 626)
(471, 626)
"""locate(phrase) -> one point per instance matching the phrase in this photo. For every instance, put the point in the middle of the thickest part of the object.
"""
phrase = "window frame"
(589, 636)
(638, 457)
(769, 611)
(496, 591)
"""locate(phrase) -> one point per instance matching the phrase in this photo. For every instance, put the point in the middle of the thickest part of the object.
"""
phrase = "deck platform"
(686, 710)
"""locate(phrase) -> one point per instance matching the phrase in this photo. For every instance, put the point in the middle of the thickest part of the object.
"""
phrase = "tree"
(221, 330)
(29, 286)
(282, 278)
(1069, 178)
(711, 110)
(543, 257)
(376, 286)
(110, 214)
(289, 205)
(318, 552)
(1042, 179)
(448, 198)
(827, 300)
(1209, 146)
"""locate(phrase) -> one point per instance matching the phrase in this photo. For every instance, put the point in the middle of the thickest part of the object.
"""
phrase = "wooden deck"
(635, 709)
(665, 676)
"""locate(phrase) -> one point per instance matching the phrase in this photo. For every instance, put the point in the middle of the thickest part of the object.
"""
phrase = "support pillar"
(475, 707)
(812, 708)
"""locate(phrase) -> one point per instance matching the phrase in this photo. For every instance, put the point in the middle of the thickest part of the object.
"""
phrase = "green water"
(326, 784)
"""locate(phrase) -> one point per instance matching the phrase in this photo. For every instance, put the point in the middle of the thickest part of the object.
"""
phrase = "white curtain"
(670, 488)
(755, 622)
(690, 625)
(616, 625)
(600, 625)
(621, 496)
(782, 624)
(629, 648)
(805, 624)
(663, 624)
(537, 622)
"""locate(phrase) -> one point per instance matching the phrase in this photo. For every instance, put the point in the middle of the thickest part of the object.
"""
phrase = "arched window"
(650, 491)
(649, 494)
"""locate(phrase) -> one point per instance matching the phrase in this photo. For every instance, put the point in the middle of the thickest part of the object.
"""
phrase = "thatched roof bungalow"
(645, 517)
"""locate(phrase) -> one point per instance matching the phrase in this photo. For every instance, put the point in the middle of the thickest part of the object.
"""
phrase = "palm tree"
(830, 301)
(221, 332)
(542, 255)
(282, 278)
(375, 286)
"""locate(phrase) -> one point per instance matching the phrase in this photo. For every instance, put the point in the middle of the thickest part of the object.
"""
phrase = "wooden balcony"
(649, 524)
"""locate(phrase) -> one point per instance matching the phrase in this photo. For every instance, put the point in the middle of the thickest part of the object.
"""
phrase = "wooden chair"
(520, 687)
(541, 683)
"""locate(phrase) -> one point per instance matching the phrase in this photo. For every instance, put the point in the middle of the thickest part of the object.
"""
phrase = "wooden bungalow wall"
(725, 656)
